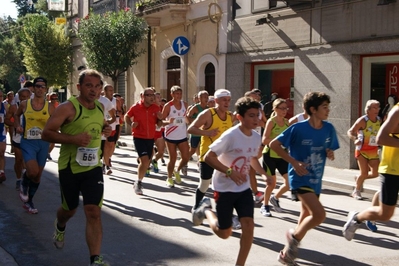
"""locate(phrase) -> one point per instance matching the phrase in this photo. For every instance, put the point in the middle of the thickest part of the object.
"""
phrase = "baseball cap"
(39, 79)
(222, 93)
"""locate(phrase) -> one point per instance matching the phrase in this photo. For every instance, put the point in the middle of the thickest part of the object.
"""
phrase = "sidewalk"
(336, 179)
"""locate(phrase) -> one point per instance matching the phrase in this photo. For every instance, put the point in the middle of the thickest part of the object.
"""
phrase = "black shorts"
(90, 184)
(226, 202)
(301, 190)
(206, 171)
(16, 145)
(271, 164)
(144, 147)
(115, 135)
(102, 148)
(389, 189)
(194, 141)
(176, 142)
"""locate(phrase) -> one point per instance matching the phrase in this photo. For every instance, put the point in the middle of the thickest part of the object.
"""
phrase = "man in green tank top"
(81, 120)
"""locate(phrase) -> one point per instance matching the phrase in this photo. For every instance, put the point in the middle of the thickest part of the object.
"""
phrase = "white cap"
(222, 93)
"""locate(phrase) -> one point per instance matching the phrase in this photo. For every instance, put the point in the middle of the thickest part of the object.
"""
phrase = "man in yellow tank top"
(210, 124)
(35, 112)
(388, 136)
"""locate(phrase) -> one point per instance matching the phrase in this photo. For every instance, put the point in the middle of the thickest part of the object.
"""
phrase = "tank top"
(35, 120)
(217, 122)
(368, 135)
(83, 159)
(276, 130)
(178, 129)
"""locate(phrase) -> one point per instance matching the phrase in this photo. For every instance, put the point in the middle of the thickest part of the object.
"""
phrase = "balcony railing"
(157, 5)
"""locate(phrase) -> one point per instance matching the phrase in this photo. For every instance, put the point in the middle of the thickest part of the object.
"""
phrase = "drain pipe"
(149, 56)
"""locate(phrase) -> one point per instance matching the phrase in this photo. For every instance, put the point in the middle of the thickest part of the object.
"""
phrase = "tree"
(47, 50)
(24, 7)
(11, 65)
(111, 41)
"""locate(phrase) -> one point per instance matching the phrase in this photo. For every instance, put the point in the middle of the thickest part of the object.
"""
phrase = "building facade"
(348, 49)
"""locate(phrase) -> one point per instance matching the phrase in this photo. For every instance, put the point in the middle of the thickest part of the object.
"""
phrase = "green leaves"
(47, 50)
(111, 41)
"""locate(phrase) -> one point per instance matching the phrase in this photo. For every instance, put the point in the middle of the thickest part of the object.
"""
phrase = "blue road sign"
(181, 45)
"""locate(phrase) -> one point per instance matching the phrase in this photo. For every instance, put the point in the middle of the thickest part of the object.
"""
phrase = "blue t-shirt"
(308, 145)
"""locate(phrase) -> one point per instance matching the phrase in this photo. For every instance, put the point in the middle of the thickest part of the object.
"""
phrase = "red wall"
(281, 83)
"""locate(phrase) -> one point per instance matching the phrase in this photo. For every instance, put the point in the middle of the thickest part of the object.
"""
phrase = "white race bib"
(179, 120)
(34, 133)
(373, 141)
(87, 156)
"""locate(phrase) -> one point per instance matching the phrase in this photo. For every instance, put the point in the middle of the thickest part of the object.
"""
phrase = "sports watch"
(228, 172)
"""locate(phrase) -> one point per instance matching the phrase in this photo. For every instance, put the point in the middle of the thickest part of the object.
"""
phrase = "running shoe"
(356, 194)
(163, 162)
(2, 177)
(236, 225)
(184, 170)
(276, 204)
(170, 182)
(58, 236)
(372, 226)
(18, 184)
(138, 188)
(259, 196)
(155, 166)
(199, 213)
(109, 171)
(23, 193)
(350, 226)
(291, 250)
(177, 177)
(30, 208)
(98, 261)
(147, 173)
(285, 260)
(265, 210)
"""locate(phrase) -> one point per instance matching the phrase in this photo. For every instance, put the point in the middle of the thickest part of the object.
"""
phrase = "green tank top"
(276, 130)
(83, 159)
(200, 109)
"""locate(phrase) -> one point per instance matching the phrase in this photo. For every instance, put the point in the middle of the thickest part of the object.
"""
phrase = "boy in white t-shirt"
(231, 156)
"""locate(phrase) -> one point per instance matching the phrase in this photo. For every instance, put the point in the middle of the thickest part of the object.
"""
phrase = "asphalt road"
(156, 228)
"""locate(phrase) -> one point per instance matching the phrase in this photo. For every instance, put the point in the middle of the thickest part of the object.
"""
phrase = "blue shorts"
(35, 149)
(194, 141)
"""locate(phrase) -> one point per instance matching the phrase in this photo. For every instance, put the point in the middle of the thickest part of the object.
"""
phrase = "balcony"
(163, 13)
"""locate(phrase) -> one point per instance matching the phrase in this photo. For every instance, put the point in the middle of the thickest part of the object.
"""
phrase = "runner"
(175, 134)
(231, 155)
(143, 117)
(309, 144)
(35, 113)
(78, 125)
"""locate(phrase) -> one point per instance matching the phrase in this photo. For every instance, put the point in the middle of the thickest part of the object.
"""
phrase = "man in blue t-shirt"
(309, 143)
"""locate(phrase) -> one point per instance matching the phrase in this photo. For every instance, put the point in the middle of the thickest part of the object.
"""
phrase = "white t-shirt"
(234, 149)
(108, 106)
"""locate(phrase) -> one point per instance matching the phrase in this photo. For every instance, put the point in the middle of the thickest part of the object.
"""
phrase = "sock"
(32, 189)
(59, 228)
(92, 258)
(198, 197)
(25, 181)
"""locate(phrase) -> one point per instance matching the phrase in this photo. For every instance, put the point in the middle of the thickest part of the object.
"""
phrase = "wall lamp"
(385, 2)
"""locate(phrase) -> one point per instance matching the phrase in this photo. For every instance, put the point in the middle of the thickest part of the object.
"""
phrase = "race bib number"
(373, 141)
(179, 121)
(87, 156)
(34, 133)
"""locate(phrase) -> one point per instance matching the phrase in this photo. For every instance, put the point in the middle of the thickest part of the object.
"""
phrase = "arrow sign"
(181, 45)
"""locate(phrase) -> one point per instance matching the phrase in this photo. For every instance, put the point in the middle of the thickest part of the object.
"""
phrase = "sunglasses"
(40, 86)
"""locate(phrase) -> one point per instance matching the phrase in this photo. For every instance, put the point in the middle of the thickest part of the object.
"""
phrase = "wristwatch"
(228, 172)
